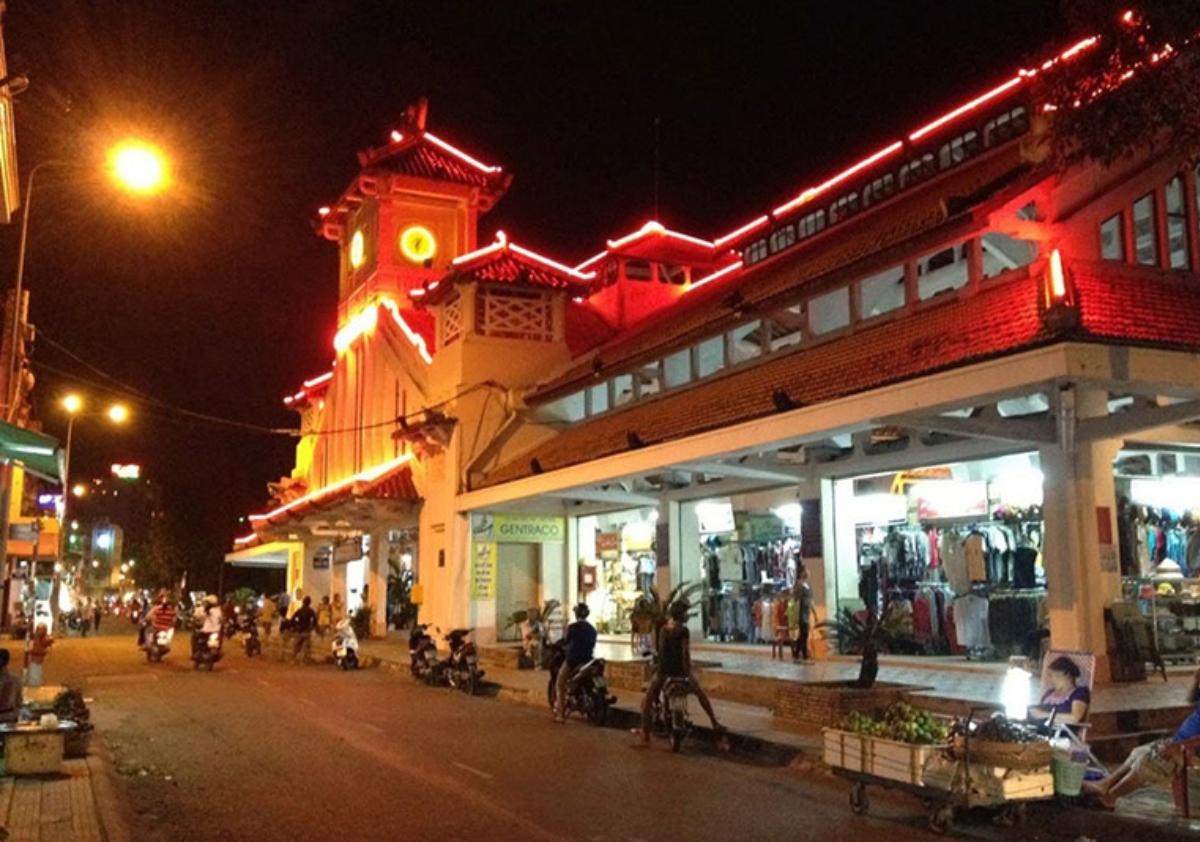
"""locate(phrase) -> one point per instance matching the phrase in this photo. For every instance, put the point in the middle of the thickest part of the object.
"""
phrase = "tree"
(1137, 90)
(161, 560)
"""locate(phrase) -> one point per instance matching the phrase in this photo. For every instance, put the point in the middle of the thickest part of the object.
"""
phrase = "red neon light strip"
(655, 228)
(369, 475)
(471, 256)
(595, 258)
(745, 229)
(813, 192)
(553, 264)
(479, 165)
(720, 273)
(966, 107)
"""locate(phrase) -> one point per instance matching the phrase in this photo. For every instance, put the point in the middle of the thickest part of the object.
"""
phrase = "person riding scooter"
(210, 621)
(580, 641)
(160, 620)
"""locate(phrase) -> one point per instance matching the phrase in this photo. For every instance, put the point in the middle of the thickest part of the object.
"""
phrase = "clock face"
(357, 249)
(417, 244)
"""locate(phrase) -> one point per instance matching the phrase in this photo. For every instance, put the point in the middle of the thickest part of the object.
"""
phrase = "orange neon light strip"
(720, 273)
(502, 244)
(369, 475)
(813, 192)
(741, 232)
(966, 107)
(367, 319)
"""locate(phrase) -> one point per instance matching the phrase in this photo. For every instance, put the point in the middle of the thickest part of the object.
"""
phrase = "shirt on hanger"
(975, 549)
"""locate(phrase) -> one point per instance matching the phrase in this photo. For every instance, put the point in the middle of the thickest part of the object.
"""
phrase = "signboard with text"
(483, 570)
(520, 529)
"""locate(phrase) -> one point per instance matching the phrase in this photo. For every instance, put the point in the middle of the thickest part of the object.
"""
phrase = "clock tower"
(412, 209)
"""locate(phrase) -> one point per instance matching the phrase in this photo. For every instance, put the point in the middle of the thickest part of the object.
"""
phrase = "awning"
(39, 454)
(274, 554)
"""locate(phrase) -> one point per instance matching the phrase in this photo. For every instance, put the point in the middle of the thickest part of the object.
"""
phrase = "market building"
(947, 377)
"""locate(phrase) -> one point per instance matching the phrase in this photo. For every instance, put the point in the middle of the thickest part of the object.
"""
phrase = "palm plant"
(651, 611)
(548, 609)
(868, 635)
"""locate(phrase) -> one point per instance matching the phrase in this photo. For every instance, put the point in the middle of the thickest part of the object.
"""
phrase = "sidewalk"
(77, 806)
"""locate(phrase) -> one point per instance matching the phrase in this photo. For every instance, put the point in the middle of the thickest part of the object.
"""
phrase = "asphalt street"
(261, 750)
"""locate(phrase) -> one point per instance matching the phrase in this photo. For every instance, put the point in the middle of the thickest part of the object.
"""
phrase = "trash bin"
(1069, 770)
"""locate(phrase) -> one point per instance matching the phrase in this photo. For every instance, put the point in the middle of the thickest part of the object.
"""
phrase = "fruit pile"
(901, 722)
(1001, 729)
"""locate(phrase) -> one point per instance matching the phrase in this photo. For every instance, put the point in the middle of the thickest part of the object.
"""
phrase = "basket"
(1009, 755)
(1068, 776)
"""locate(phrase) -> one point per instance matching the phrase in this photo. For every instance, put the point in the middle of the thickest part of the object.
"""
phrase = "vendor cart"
(946, 778)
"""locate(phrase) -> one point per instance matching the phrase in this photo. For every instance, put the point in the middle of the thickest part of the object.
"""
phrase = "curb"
(111, 809)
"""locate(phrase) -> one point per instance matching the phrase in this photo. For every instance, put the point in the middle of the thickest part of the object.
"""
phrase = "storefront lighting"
(1018, 487)
(1166, 493)
(789, 513)
(1014, 692)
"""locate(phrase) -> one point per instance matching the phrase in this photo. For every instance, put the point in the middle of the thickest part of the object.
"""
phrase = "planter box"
(825, 704)
(897, 761)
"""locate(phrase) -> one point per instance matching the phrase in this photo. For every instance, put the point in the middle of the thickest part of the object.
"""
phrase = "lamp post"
(137, 168)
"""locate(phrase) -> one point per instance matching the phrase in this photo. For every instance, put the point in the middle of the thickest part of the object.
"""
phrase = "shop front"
(517, 562)
(618, 562)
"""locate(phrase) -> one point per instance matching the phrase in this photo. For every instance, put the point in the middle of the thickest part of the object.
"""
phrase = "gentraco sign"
(529, 529)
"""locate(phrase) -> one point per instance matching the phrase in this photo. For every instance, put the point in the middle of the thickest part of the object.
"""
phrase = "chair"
(1074, 732)
(1190, 768)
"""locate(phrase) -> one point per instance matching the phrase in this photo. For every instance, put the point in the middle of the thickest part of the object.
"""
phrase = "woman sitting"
(1066, 701)
(1153, 764)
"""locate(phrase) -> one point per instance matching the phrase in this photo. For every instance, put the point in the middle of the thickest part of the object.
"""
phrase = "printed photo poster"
(483, 570)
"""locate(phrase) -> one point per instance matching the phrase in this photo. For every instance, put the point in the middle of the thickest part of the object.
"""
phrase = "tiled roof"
(1123, 305)
(701, 312)
(504, 262)
(395, 484)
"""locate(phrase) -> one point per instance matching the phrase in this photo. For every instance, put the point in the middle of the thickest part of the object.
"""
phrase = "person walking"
(97, 613)
(303, 623)
(266, 616)
(802, 594)
(39, 648)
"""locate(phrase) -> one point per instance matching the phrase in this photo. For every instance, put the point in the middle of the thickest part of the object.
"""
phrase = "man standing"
(580, 643)
(303, 623)
(266, 616)
(10, 691)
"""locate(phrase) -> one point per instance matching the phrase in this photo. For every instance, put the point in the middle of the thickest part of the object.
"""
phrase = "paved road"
(259, 750)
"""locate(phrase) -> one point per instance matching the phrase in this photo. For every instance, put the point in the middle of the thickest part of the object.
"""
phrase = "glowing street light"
(138, 167)
(118, 413)
(79, 489)
(72, 403)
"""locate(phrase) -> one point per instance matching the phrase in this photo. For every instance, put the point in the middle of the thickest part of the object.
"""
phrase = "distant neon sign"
(127, 471)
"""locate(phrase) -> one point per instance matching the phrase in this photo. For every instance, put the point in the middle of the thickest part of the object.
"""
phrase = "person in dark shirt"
(580, 643)
(10, 691)
(675, 661)
(303, 623)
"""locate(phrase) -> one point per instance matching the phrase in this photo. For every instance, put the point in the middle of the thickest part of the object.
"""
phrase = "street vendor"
(1065, 700)
(1152, 764)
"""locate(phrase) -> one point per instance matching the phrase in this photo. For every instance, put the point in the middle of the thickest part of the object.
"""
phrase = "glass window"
(649, 380)
(1112, 238)
(598, 398)
(844, 207)
(917, 170)
(755, 252)
(1144, 237)
(1005, 127)
(570, 408)
(829, 312)
(710, 356)
(879, 189)
(1002, 253)
(942, 271)
(881, 293)
(745, 342)
(1177, 241)
(787, 327)
(670, 274)
(782, 238)
(811, 224)
(622, 389)
(677, 368)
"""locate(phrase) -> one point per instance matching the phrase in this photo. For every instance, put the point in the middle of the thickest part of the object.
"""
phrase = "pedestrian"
(338, 609)
(11, 697)
(39, 648)
(96, 614)
(324, 617)
(803, 594)
(303, 623)
(266, 616)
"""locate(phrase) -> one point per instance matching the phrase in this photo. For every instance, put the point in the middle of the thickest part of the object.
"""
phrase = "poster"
(483, 570)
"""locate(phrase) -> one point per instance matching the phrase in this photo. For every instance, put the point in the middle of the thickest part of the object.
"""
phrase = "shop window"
(1144, 236)
(943, 271)
(917, 170)
(677, 368)
(787, 327)
(755, 252)
(881, 293)
(1005, 127)
(622, 391)
(829, 312)
(649, 380)
(1002, 253)
(597, 398)
(745, 342)
(782, 238)
(571, 408)
(844, 207)
(959, 149)
(879, 189)
(639, 270)
(1177, 239)
(808, 225)
(710, 356)
(1112, 238)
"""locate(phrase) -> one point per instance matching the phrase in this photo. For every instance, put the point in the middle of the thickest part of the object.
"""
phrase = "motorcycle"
(587, 691)
(669, 711)
(423, 656)
(77, 624)
(159, 644)
(251, 642)
(345, 646)
(461, 668)
(206, 650)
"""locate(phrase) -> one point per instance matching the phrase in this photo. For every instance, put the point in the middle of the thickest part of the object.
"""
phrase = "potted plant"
(866, 634)
(650, 611)
(70, 706)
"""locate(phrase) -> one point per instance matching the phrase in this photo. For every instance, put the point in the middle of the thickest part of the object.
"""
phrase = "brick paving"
(55, 808)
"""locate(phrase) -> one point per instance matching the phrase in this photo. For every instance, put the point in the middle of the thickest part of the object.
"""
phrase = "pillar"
(1079, 547)
(377, 578)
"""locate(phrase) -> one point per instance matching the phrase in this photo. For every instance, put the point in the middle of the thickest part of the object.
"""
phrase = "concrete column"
(1079, 548)
(337, 582)
(377, 576)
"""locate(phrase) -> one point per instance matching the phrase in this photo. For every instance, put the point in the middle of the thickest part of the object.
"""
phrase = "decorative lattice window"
(452, 319)
(515, 314)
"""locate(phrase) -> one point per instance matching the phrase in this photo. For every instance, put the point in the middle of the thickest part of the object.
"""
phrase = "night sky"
(219, 298)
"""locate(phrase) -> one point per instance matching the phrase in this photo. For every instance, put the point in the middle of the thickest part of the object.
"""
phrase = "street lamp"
(137, 167)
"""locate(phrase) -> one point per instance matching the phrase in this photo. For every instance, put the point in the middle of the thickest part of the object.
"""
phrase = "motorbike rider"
(160, 619)
(211, 621)
(675, 661)
(580, 644)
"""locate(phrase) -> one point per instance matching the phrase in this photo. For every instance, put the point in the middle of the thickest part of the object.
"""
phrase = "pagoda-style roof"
(391, 480)
(506, 263)
(654, 241)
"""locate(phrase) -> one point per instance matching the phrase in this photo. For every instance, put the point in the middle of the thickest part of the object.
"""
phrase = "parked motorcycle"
(159, 644)
(669, 712)
(423, 656)
(461, 668)
(587, 691)
(206, 650)
(345, 645)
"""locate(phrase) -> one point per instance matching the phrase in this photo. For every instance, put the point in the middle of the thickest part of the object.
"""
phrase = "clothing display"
(746, 586)
(1150, 536)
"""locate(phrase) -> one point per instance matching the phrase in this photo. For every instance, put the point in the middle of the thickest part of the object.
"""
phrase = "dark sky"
(219, 298)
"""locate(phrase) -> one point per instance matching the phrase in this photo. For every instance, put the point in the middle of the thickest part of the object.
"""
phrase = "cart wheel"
(941, 818)
(859, 802)
(1011, 815)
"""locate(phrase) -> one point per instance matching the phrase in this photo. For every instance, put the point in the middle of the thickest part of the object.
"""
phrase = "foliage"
(401, 611)
(866, 634)
(360, 621)
(651, 611)
(548, 609)
(1131, 93)
(243, 596)
(160, 558)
